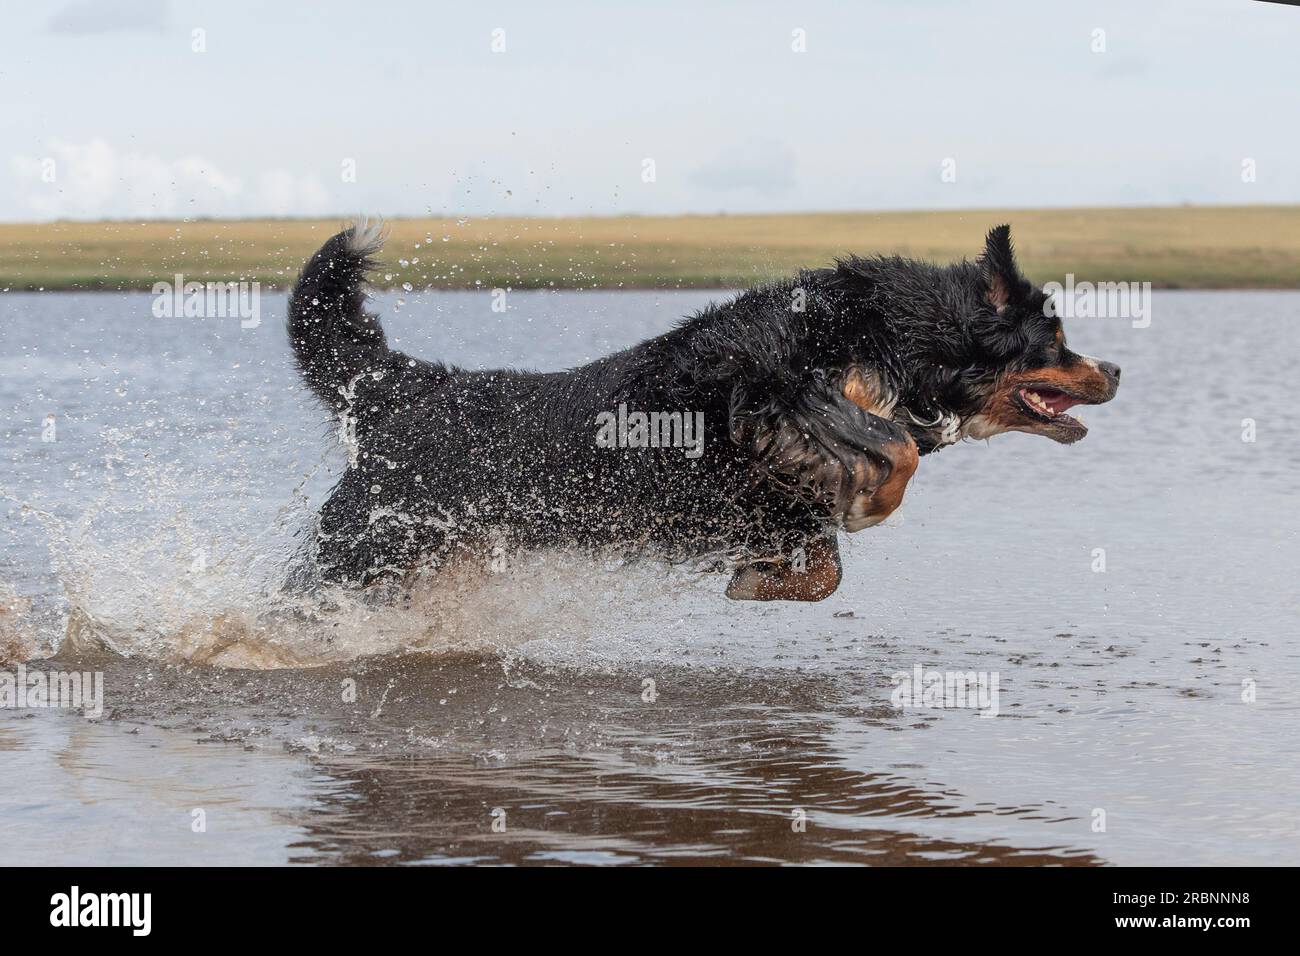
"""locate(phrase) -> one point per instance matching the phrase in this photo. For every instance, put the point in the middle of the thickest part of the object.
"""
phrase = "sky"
(182, 108)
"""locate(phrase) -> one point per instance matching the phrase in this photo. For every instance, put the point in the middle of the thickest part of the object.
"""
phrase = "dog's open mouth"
(1049, 406)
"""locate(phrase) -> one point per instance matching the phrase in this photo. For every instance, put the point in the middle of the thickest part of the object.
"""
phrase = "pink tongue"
(1058, 401)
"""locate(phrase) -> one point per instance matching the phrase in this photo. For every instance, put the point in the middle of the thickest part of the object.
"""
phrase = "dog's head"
(997, 360)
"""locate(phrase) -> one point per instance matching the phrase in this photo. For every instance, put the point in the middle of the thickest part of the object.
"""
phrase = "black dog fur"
(818, 393)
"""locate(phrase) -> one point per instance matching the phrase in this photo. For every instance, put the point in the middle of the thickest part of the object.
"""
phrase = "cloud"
(1116, 67)
(88, 17)
(765, 168)
(281, 193)
(94, 181)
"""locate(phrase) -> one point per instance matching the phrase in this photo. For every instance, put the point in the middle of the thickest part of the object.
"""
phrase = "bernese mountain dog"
(747, 437)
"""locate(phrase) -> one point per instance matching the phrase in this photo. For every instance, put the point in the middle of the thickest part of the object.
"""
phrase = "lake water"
(1147, 712)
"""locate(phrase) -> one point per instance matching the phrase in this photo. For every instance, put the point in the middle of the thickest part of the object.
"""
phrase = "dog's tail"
(334, 338)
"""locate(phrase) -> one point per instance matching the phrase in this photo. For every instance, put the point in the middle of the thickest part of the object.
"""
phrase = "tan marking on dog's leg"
(867, 391)
(781, 582)
(869, 509)
(903, 457)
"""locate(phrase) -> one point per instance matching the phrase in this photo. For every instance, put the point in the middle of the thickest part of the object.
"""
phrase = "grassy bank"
(1184, 247)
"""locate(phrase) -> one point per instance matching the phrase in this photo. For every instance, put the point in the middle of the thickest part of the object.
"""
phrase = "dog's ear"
(1003, 283)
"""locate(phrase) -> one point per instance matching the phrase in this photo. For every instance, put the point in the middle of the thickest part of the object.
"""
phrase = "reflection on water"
(566, 808)
(732, 769)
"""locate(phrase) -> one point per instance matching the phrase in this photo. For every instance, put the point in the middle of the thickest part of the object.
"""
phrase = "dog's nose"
(1111, 369)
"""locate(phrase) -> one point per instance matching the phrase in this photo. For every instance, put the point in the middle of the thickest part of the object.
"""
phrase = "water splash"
(147, 571)
(16, 643)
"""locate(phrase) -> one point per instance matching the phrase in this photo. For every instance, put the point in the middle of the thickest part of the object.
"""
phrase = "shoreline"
(1184, 247)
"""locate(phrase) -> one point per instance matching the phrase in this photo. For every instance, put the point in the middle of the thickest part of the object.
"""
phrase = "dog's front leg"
(875, 502)
(811, 574)
(835, 447)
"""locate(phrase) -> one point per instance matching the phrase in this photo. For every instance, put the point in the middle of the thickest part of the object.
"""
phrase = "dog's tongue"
(1058, 402)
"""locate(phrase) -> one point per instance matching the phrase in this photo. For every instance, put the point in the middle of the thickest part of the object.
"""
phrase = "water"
(148, 540)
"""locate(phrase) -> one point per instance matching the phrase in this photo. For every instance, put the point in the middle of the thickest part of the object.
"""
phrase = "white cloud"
(87, 17)
(280, 193)
(764, 167)
(94, 181)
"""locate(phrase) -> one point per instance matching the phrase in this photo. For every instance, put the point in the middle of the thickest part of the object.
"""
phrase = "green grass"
(1184, 247)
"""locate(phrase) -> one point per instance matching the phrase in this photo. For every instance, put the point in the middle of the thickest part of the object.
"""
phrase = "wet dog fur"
(819, 396)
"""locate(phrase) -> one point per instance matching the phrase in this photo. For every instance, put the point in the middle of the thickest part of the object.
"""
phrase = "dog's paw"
(811, 574)
(746, 583)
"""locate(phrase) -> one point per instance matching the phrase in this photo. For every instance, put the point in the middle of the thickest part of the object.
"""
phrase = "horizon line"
(720, 214)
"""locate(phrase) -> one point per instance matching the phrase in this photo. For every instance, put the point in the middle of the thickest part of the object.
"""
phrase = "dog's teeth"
(1037, 402)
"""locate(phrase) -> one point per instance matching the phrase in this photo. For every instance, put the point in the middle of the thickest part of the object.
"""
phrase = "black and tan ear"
(1003, 283)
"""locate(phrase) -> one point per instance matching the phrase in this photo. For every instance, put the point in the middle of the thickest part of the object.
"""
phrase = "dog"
(748, 436)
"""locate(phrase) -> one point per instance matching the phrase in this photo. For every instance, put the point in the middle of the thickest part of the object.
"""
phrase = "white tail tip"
(366, 236)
